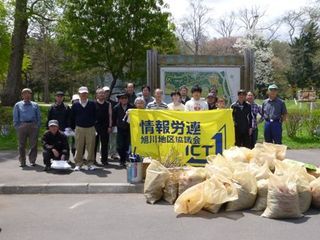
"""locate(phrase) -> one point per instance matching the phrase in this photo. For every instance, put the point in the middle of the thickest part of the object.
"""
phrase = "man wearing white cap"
(83, 115)
(274, 113)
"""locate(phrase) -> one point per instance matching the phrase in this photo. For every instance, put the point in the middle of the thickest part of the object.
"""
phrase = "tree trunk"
(113, 83)
(11, 92)
(46, 95)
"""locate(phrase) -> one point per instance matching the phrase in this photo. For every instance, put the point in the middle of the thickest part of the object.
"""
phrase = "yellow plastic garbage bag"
(315, 190)
(219, 165)
(283, 198)
(191, 176)
(208, 195)
(220, 190)
(260, 172)
(262, 154)
(279, 149)
(302, 179)
(247, 191)
(171, 189)
(236, 154)
(156, 177)
(262, 195)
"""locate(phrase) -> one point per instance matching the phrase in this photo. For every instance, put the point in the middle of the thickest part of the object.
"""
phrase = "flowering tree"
(263, 55)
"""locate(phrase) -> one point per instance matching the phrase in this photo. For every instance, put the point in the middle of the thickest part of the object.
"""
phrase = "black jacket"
(131, 98)
(242, 116)
(59, 142)
(118, 116)
(102, 115)
(61, 113)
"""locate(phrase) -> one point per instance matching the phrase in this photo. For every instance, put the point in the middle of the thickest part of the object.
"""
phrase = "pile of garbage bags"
(261, 179)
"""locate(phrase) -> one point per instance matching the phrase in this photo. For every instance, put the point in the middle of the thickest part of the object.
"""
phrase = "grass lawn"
(302, 141)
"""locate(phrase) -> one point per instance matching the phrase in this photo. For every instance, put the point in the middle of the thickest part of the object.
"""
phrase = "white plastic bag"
(60, 165)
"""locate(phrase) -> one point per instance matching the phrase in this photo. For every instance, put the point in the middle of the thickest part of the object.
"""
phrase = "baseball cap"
(211, 95)
(242, 91)
(53, 123)
(123, 94)
(106, 88)
(83, 90)
(26, 90)
(75, 97)
(273, 87)
(59, 93)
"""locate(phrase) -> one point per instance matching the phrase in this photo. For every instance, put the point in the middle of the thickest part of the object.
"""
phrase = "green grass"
(10, 142)
(302, 141)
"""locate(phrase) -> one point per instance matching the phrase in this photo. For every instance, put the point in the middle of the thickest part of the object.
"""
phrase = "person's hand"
(250, 131)
(55, 153)
(62, 157)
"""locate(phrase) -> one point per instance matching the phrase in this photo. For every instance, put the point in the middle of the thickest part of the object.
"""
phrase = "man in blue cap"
(274, 112)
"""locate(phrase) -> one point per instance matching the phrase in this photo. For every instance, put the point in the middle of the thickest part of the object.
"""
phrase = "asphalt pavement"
(109, 179)
(127, 216)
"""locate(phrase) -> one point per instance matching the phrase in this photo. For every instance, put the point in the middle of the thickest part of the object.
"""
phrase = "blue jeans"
(273, 132)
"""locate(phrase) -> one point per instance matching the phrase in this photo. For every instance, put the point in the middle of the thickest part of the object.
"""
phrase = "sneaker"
(91, 168)
(76, 168)
(22, 165)
(32, 164)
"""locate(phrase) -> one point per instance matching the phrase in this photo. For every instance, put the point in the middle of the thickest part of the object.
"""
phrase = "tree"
(222, 46)
(305, 64)
(4, 43)
(226, 25)
(250, 20)
(112, 34)
(263, 71)
(192, 29)
(13, 84)
(24, 10)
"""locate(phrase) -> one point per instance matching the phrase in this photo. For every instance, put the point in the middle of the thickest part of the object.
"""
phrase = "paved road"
(85, 217)
(10, 173)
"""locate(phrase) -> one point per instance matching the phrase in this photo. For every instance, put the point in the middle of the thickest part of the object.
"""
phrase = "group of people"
(245, 112)
(99, 125)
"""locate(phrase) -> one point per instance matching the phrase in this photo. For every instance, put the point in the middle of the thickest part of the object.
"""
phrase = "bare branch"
(193, 27)
(226, 24)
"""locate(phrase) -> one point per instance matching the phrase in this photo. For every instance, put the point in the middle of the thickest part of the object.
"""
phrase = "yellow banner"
(189, 136)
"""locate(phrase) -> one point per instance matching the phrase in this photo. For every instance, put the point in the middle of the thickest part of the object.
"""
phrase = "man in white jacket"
(196, 103)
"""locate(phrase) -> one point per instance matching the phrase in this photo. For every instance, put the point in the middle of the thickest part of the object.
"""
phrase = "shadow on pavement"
(98, 172)
(207, 215)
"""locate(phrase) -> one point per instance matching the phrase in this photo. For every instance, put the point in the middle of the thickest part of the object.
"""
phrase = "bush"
(294, 122)
(312, 123)
(5, 115)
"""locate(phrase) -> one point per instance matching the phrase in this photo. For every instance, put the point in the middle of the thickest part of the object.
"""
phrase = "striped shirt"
(155, 105)
(255, 110)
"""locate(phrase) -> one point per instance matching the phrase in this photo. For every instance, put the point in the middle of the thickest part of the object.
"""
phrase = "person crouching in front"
(55, 144)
